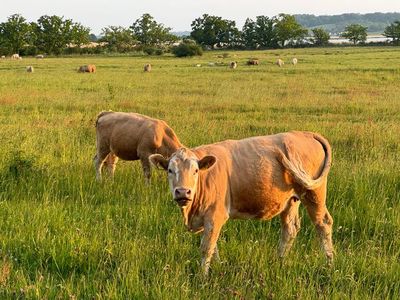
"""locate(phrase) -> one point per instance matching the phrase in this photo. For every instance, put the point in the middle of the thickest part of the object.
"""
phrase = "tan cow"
(280, 63)
(87, 69)
(131, 136)
(147, 67)
(233, 65)
(3, 57)
(253, 178)
(294, 61)
(30, 69)
(40, 56)
(15, 56)
(253, 62)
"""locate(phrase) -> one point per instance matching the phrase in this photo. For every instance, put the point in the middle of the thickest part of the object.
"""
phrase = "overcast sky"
(179, 14)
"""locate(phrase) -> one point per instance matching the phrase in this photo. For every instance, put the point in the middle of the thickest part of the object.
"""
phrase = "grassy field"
(63, 235)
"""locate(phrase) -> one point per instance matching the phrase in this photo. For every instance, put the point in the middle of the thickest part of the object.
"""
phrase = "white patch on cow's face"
(183, 174)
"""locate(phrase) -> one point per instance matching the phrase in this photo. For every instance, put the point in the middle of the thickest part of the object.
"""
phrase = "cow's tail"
(103, 113)
(293, 164)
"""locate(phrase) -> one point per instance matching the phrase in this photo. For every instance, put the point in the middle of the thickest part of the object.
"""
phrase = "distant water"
(370, 38)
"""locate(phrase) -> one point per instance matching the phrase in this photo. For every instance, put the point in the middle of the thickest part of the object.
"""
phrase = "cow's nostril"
(188, 192)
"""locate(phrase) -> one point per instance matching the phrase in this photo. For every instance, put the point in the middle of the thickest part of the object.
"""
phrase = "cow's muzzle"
(182, 196)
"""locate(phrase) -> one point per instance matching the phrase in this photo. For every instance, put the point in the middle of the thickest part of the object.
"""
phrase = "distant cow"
(147, 67)
(40, 56)
(254, 178)
(253, 62)
(3, 57)
(30, 69)
(15, 56)
(87, 69)
(131, 136)
(280, 63)
(294, 61)
(233, 65)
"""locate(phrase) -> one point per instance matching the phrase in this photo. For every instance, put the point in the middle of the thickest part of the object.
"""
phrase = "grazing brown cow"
(87, 69)
(253, 62)
(253, 178)
(131, 136)
(147, 67)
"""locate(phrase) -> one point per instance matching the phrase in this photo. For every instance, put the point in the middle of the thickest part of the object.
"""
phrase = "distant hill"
(335, 24)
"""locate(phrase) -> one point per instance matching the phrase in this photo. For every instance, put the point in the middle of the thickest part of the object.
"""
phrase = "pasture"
(64, 235)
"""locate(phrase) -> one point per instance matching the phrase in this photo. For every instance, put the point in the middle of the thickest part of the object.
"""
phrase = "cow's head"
(183, 169)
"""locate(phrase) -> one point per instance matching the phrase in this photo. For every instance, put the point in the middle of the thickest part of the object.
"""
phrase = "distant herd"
(147, 67)
(253, 178)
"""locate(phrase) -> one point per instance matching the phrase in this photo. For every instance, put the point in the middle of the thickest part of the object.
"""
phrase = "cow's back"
(255, 178)
(124, 132)
(131, 135)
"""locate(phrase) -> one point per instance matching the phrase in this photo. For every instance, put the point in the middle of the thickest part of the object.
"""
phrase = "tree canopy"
(320, 37)
(393, 31)
(355, 33)
(118, 38)
(15, 33)
(213, 31)
(148, 32)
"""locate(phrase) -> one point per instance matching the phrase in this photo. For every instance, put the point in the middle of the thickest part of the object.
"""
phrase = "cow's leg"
(144, 159)
(290, 224)
(216, 254)
(209, 243)
(111, 162)
(98, 161)
(319, 214)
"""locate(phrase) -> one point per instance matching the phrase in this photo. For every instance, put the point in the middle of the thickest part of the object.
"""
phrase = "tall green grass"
(63, 235)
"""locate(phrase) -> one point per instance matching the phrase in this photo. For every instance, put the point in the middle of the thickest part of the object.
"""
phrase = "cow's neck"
(195, 209)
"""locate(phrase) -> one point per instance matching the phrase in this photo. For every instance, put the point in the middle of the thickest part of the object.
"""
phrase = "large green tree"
(149, 32)
(15, 34)
(259, 33)
(266, 32)
(320, 37)
(79, 34)
(249, 36)
(118, 39)
(288, 30)
(393, 31)
(53, 34)
(355, 33)
(214, 31)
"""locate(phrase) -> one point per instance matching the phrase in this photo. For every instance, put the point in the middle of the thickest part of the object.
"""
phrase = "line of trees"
(57, 35)
(50, 34)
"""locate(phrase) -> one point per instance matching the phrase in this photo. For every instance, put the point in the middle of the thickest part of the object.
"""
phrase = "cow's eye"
(170, 171)
(196, 171)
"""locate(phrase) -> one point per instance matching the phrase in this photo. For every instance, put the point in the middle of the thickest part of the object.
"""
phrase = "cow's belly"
(126, 155)
(258, 209)
(124, 148)
(263, 201)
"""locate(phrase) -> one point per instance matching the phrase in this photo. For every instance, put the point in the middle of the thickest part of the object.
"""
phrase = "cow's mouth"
(183, 201)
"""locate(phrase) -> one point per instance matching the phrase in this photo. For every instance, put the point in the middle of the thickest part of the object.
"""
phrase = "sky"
(179, 14)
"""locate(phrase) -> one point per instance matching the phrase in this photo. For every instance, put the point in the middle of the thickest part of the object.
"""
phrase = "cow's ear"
(159, 161)
(207, 162)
